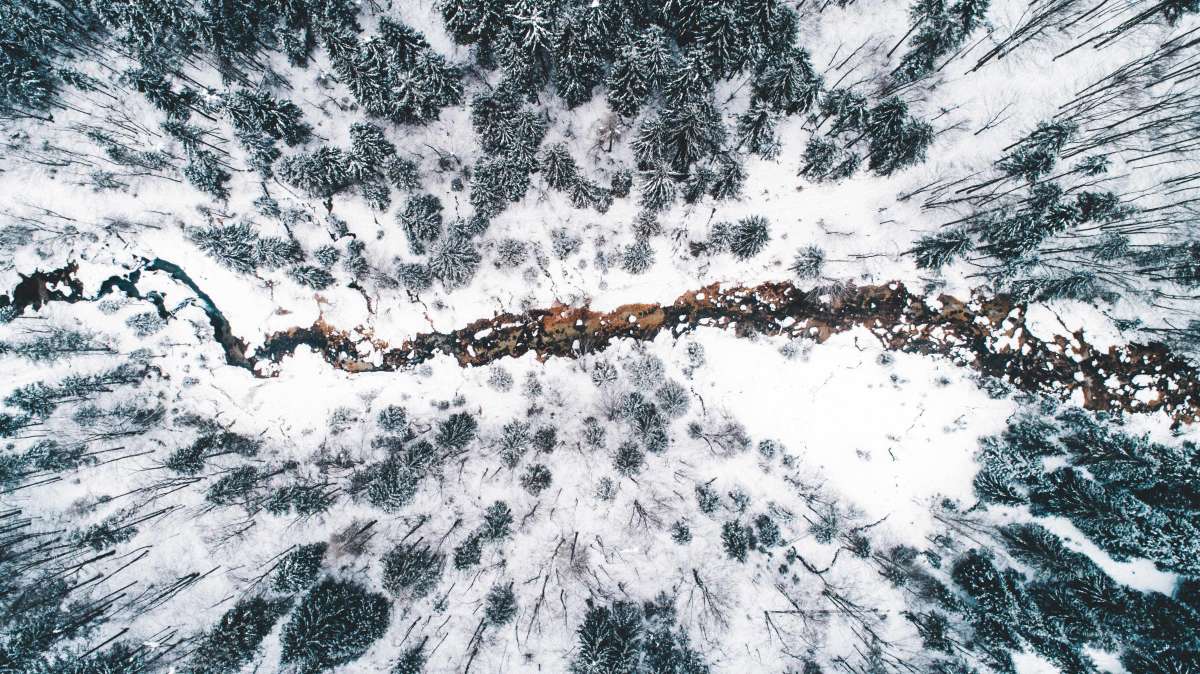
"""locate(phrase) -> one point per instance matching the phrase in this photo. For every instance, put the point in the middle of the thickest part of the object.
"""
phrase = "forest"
(599, 336)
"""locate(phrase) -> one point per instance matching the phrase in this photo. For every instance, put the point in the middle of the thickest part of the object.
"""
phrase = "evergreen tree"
(205, 173)
(411, 568)
(559, 167)
(235, 639)
(756, 131)
(411, 661)
(260, 113)
(501, 605)
(736, 539)
(333, 624)
(299, 568)
(320, 173)
(638, 257)
(468, 553)
(657, 187)
(456, 431)
(786, 82)
(749, 236)
(421, 221)
(536, 478)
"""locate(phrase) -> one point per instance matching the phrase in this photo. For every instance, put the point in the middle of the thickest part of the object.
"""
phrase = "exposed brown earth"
(986, 333)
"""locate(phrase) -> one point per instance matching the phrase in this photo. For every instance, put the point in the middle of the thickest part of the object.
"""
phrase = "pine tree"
(559, 167)
(749, 236)
(421, 221)
(453, 260)
(756, 131)
(736, 540)
(411, 661)
(786, 82)
(320, 173)
(657, 187)
(536, 478)
(333, 624)
(260, 113)
(629, 458)
(412, 568)
(501, 606)
(579, 55)
(300, 568)
(468, 553)
(638, 257)
(609, 640)
(234, 640)
(456, 431)
(628, 83)
(729, 178)
(205, 173)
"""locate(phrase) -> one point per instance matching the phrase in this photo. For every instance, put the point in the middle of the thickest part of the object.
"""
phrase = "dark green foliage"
(497, 522)
(1037, 153)
(235, 639)
(707, 498)
(629, 458)
(453, 260)
(536, 478)
(768, 531)
(749, 236)
(896, 140)
(1136, 499)
(736, 540)
(625, 637)
(233, 487)
(396, 75)
(942, 29)
(299, 568)
(756, 131)
(412, 568)
(421, 220)
(333, 624)
(826, 161)
(260, 113)
(239, 247)
(320, 173)
(681, 533)
(609, 640)
(558, 167)
(411, 661)
(205, 172)
(468, 553)
(393, 419)
(304, 500)
(786, 82)
(935, 251)
(456, 431)
(501, 605)
(28, 78)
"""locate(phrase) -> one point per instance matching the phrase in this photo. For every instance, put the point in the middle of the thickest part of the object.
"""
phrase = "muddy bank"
(985, 333)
